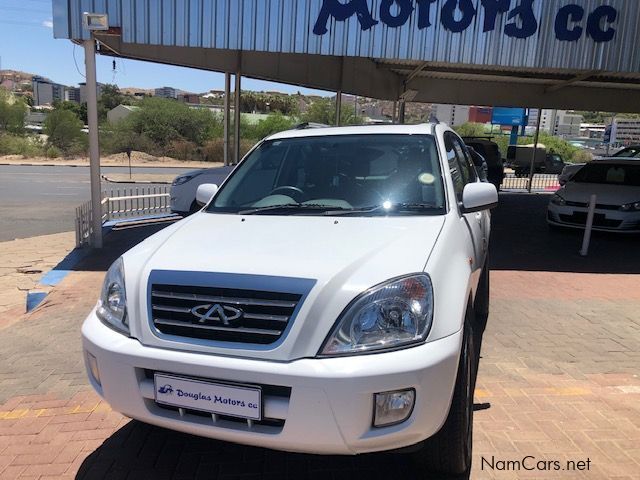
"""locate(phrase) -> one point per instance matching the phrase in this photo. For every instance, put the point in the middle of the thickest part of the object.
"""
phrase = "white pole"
(227, 115)
(94, 146)
(236, 138)
(395, 112)
(587, 229)
(338, 107)
(535, 151)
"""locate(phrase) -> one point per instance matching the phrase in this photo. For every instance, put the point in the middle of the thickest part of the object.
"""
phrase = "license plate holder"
(236, 400)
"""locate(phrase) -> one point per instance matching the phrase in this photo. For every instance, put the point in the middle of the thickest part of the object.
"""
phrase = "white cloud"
(47, 23)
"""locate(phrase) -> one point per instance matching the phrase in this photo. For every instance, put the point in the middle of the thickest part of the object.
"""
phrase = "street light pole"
(94, 146)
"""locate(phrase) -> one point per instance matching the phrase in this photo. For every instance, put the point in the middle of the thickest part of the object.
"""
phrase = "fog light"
(93, 368)
(394, 407)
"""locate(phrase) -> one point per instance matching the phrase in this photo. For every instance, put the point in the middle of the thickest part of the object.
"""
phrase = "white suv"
(327, 299)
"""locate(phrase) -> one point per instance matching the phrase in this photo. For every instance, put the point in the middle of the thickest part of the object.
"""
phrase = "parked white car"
(328, 299)
(616, 184)
(184, 187)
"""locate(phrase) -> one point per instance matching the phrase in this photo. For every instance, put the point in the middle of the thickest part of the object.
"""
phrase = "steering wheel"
(294, 192)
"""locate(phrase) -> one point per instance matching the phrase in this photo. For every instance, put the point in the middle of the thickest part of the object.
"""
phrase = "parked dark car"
(491, 153)
(480, 163)
(629, 152)
(520, 156)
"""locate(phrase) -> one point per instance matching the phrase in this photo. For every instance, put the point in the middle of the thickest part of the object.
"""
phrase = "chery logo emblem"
(224, 314)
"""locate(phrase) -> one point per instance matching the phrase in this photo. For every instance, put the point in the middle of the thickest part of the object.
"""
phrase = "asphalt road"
(42, 200)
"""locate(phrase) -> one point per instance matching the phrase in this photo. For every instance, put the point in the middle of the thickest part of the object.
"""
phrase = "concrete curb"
(134, 165)
(141, 182)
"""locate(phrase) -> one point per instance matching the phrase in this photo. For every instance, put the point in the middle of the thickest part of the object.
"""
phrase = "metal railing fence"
(541, 181)
(123, 204)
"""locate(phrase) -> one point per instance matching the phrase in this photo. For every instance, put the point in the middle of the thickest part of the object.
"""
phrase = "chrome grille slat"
(227, 300)
(175, 323)
(256, 316)
(260, 316)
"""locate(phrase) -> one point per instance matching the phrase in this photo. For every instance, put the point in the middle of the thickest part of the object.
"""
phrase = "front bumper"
(328, 410)
(604, 220)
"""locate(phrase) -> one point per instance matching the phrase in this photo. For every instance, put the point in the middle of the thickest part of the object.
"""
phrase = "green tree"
(323, 110)
(12, 113)
(64, 130)
(471, 129)
(164, 121)
(274, 123)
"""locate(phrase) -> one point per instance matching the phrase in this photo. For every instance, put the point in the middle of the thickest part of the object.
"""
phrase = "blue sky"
(27, 44)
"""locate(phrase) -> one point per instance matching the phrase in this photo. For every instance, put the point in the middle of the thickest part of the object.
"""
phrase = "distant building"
(166, 92)
(192, 98)
(72, 94)
(627, 131)
(557, 122)
(480, 114)
(35, 118)
(452, 115)
(120, 112)
(592, 130)
(83, 92)
(45, 92)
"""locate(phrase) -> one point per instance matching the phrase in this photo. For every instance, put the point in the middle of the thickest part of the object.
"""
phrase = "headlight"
(394, 314)
(629, 207)
(182, 179)
(112, 306)
(558, 200)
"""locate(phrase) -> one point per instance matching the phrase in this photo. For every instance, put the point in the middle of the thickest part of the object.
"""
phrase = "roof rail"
(488, 137)
(305, 125)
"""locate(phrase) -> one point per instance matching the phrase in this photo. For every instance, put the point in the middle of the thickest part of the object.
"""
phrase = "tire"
(194, 207)
(481, 302)
(449, 451)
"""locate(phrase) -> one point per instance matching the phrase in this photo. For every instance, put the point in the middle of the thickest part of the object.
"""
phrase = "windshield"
(393, 174)
(611, 174)
(631, 152)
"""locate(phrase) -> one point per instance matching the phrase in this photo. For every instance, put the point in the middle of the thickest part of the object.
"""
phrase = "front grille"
(599, 220)
(599, 206)
(222, 314)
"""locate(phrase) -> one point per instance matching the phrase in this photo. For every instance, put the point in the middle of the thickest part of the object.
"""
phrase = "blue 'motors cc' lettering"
(405, 7)
(573, 13)
(448, 19)
(594, 29)
(340, 11)
(491, 10)
(529, 24)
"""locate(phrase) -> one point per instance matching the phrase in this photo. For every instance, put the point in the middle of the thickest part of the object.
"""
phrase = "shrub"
(53, 152)
(64, 129)
(582, 156)
(213, 150)
(183, 150)
(21, 145)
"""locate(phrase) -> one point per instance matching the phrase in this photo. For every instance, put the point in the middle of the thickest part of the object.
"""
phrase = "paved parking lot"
(558, 378)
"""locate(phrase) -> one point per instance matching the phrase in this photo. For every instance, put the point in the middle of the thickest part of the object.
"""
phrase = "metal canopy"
(579, 54)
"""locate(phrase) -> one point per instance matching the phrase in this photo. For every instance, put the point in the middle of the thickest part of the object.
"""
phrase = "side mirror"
(205, 192)
(479, 196)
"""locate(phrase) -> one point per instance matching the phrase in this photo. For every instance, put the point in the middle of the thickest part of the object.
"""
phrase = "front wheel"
(449, 451)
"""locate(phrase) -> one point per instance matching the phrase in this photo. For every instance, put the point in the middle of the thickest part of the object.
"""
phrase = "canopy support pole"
(535, 150)
(338, 107)
(227, 116)
(94, 142)
(236, 138)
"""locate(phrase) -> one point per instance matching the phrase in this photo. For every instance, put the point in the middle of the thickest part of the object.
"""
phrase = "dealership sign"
(572, 21)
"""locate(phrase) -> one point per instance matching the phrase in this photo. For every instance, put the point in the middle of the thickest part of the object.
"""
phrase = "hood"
(606, 194)
(329, 260)
(298, 246)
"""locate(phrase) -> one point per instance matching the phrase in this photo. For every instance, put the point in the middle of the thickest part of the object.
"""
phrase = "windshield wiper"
(290, 207)
(385, 208)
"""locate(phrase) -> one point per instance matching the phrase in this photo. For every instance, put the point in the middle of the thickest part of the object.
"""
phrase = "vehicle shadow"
(522, 240)
(143, 451)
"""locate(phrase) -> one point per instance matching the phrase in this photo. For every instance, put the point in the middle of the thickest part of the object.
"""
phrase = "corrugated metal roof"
(286, 26)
